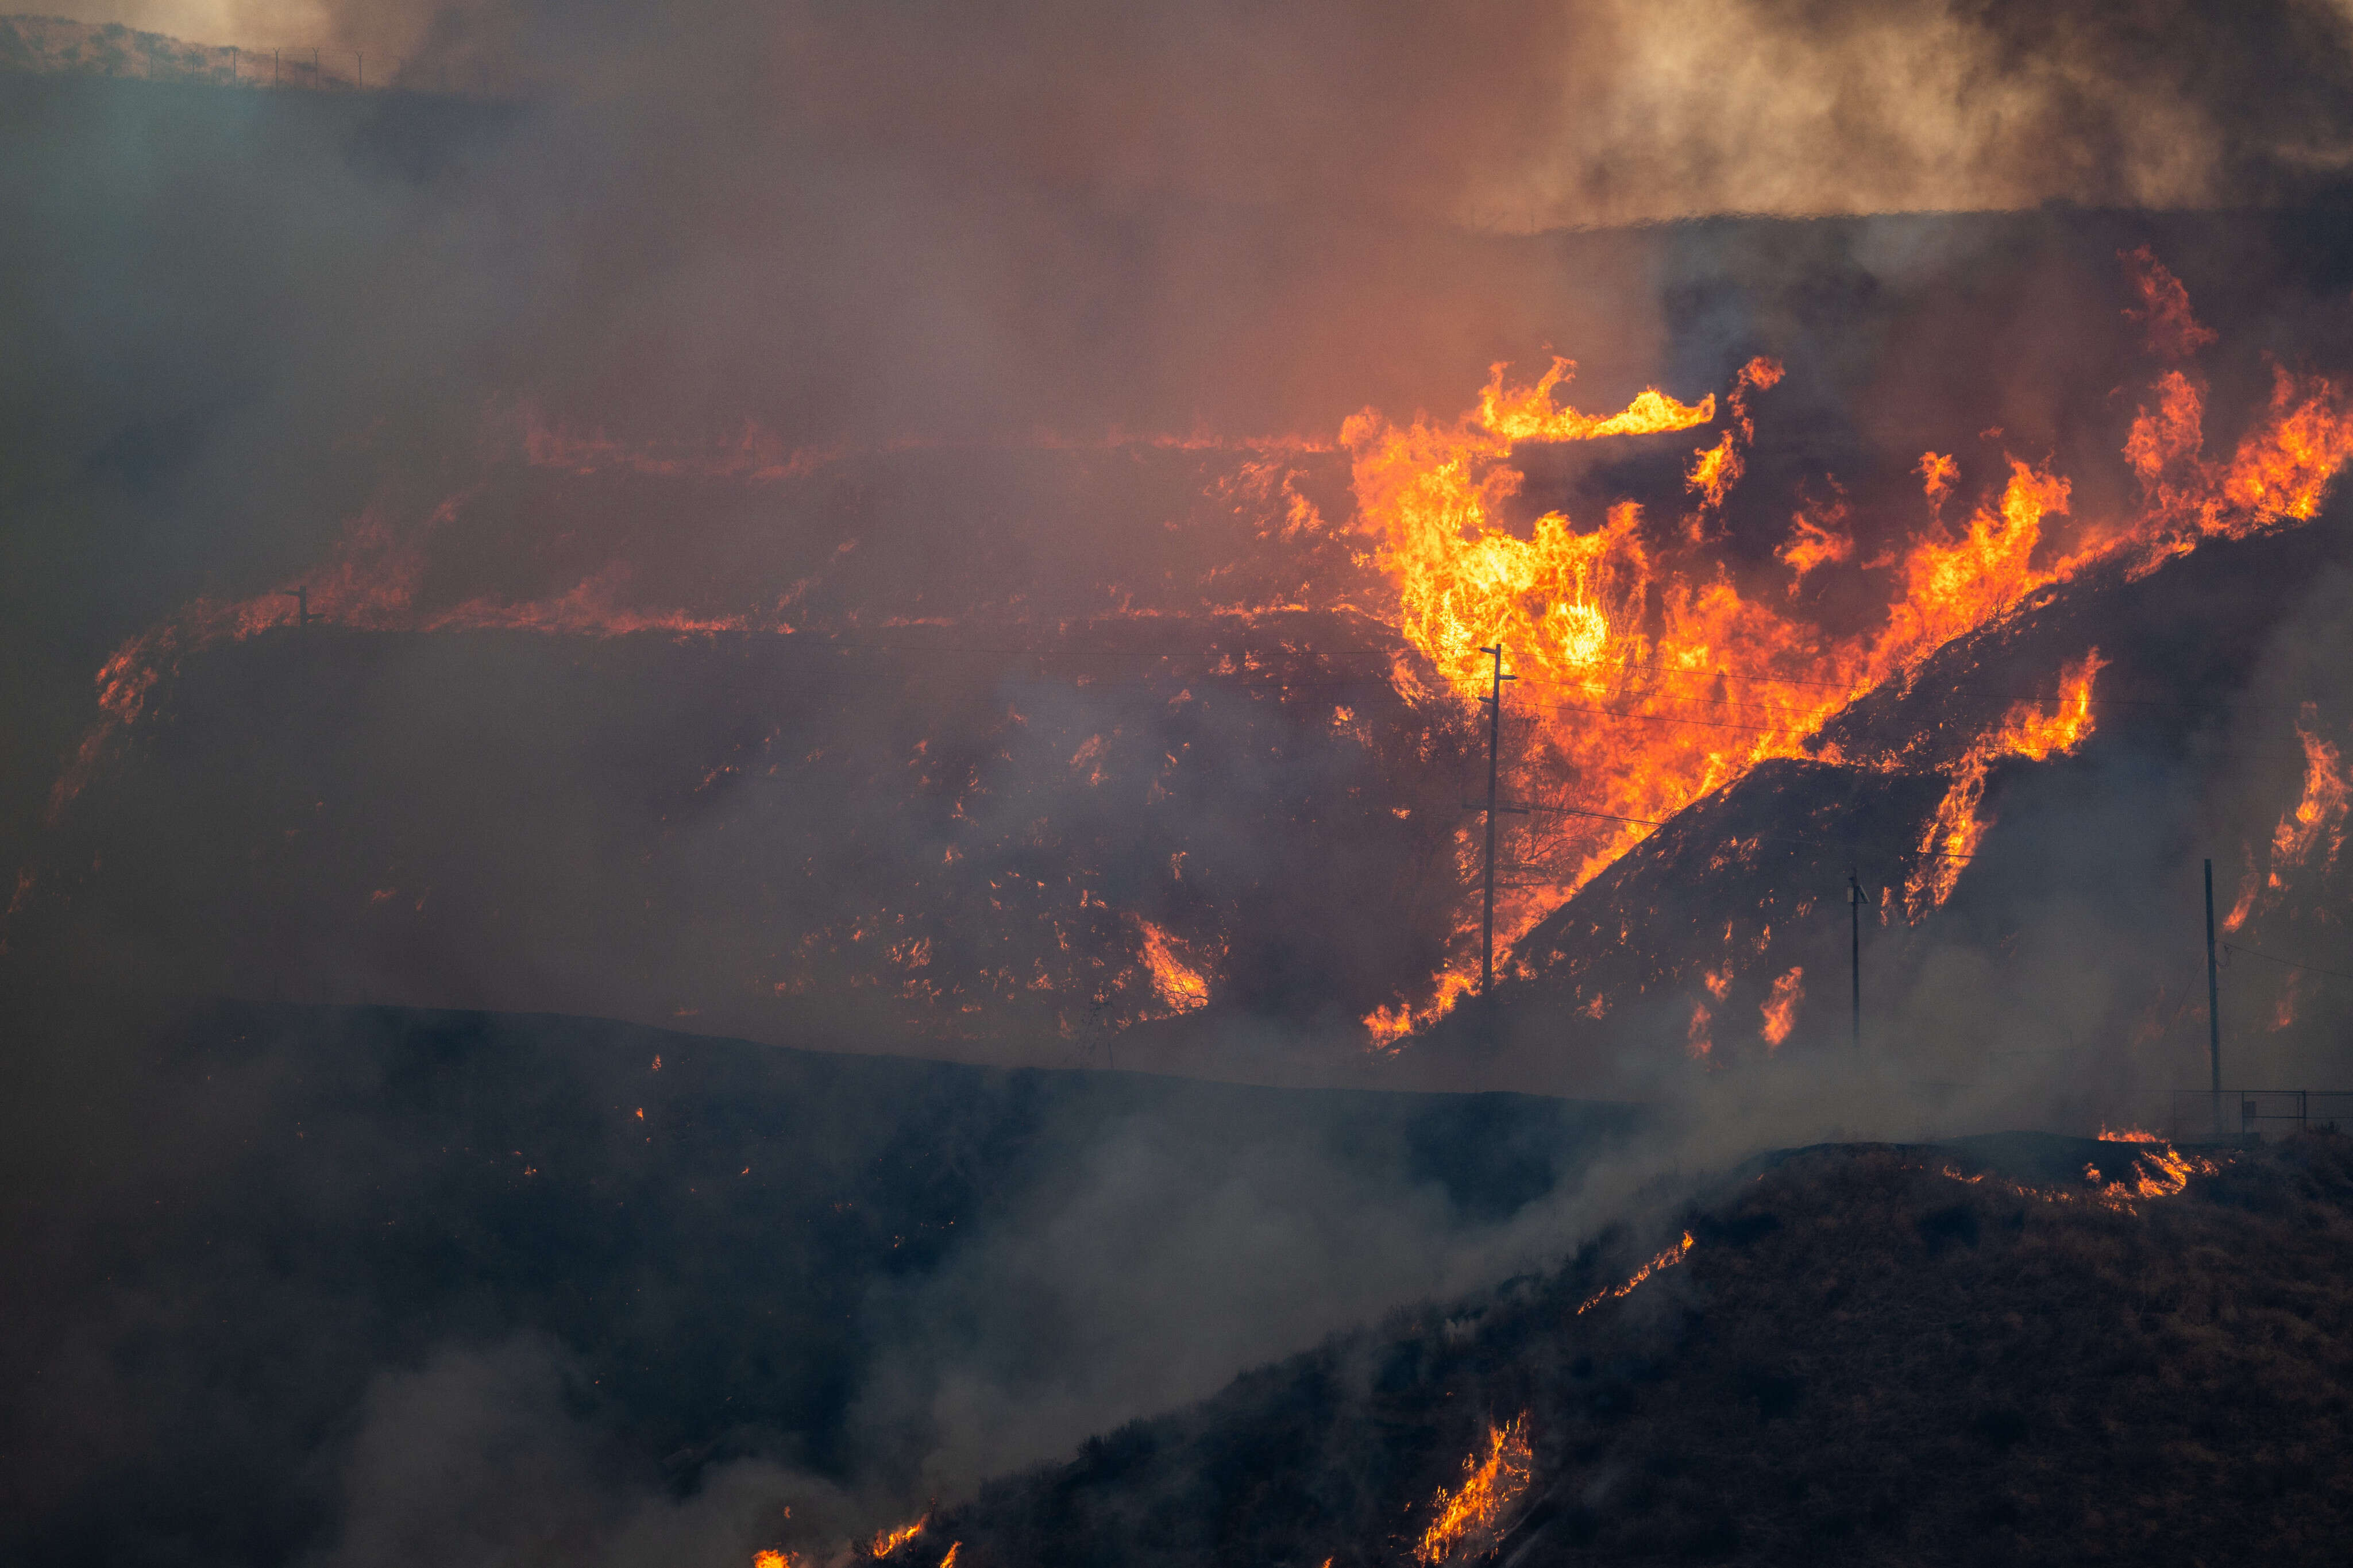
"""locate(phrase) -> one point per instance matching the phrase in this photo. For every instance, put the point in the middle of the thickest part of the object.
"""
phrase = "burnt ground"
(1863, 1359)
(227, 1222)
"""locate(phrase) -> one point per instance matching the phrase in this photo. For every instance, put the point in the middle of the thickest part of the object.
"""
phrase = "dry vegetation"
(1862, 1358)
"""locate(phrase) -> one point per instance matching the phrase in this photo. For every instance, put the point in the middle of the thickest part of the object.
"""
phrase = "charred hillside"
(936, 843)
(238, 1230)
(1898, 1354)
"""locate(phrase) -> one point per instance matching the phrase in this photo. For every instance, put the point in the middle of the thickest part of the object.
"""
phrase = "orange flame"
(1812, 543)
(1669, 682)
(2158, 1171)
(2318, 818)
(1530, 414)
(1467, 1521)
(1650, 676)
(1180, 987)
(1781, 1008)
(2320, 814)
(889, 1541)
(1667, 1259)
(1953, 834)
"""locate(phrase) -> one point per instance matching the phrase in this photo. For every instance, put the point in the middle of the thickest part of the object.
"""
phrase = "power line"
(2286, 962)
(1776, 837)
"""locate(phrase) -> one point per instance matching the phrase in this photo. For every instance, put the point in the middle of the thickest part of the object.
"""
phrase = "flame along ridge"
(1708, 682)
(2155, 1170)
(1700, 681)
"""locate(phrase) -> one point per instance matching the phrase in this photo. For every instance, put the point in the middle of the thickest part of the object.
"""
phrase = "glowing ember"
(1467, 1521)
(1667, 1259)
(1780, 1009)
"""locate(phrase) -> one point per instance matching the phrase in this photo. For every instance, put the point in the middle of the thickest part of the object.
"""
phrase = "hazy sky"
(1531, 113)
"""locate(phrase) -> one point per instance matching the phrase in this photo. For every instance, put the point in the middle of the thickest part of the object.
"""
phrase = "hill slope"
(237, 1234)
(1868, 1353)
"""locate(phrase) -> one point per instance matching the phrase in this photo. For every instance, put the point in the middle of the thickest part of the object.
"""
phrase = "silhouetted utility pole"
(301, 594)
(1855, 898)
(1494, 743)
(2213, 1005)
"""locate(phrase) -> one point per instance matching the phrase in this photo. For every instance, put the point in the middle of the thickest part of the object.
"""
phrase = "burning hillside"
(1095, 599)
(1299, 642)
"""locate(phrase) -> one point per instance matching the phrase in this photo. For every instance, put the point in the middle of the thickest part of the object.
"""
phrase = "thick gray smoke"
(941, 248)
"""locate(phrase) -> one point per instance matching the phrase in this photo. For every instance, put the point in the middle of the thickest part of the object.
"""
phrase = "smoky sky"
(1530, 115)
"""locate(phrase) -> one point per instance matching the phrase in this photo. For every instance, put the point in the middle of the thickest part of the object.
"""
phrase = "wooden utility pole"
(2213, 1005)
(1495, 741)
(1855, 898)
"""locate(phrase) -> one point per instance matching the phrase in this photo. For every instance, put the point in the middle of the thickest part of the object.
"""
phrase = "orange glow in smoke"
(1781, 1008)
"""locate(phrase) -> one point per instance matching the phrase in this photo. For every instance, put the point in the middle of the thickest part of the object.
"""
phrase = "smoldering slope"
(358, 1286)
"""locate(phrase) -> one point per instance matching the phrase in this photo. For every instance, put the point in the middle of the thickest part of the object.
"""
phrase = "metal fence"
(2247, 1113)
